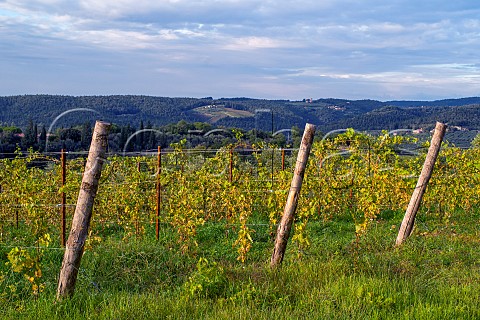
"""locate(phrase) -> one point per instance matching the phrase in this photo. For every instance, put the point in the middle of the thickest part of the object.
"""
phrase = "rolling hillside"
(243, 113)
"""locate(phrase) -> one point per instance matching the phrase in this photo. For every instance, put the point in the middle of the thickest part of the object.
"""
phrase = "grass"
(217, 113)
(434, 275)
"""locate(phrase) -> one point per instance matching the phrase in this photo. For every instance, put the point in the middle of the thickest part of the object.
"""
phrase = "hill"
(242, 113)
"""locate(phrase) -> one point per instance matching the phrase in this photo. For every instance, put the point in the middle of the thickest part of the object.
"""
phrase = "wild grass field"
(434, 275)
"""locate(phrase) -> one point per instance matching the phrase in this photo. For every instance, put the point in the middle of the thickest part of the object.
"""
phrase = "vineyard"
(187, 201)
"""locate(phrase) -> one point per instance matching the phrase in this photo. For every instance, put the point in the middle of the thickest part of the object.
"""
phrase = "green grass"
(434, 275)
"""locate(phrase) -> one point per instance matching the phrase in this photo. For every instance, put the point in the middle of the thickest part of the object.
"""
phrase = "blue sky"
(270, 49)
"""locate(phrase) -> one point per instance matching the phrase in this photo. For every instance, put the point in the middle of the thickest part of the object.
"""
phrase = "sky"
(270, 49)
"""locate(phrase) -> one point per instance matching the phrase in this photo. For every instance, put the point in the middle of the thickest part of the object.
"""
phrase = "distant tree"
(279, 140)
(123, 137)
(30, 135)
(182, 127)
(296, 136)
(42, 139)
(125, 133)
(150, 137)
(10, 138)
(205, 127)
(35, 132)
(140, 137)
(146, 136)
(71, 134)
(86, 135)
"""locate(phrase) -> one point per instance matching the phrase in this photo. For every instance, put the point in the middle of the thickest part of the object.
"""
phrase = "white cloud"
(253, 43)
(372, 43)
(414, 73)
(410, 83)
(119, 39)
(179, 8)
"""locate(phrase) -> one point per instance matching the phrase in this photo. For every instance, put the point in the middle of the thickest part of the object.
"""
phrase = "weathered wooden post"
(283, 231)
(414, 205)
(83, 211)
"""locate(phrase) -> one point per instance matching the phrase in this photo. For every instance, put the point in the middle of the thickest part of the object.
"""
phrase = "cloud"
(427, 73)
(306, 45)
(253, 43)
(119, 39)
(410, 83)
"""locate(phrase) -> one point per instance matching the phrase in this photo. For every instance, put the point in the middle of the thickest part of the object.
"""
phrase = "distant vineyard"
(352, 174)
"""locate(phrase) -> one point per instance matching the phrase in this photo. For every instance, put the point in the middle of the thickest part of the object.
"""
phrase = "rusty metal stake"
(64, 198)
(159, 192)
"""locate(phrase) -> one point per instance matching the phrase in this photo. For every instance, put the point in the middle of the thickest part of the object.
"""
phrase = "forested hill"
(243, 113)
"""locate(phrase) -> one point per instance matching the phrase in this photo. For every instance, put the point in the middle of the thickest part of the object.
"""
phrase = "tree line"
(327, 114)
(144, 137)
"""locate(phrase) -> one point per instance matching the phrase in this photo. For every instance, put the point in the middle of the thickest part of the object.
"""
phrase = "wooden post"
(283, 159)
(159, 192)
(283, 231)
(414, 205)
(64, 199)
(83, 211)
